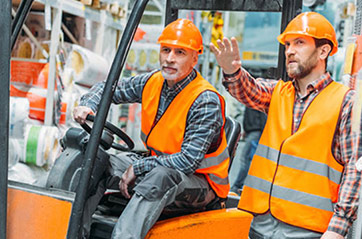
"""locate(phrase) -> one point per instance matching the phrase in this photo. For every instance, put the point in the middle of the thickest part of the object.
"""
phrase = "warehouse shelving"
(79, 9)
(103, 17)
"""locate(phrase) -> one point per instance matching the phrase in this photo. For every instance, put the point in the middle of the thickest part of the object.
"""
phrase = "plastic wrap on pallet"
(19, 111)
(15, 151)
(41, 145)
(28, 174)
(89, 68)
(26, 72)
(37, 101)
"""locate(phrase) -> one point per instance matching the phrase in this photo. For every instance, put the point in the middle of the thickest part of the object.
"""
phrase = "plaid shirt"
(256, 93)
(203, 126)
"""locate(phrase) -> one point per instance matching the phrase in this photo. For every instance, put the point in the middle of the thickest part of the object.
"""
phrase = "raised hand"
(227, 55)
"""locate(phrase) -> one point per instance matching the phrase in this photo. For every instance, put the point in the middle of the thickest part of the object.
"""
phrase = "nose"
(289, 50)
(170, 56)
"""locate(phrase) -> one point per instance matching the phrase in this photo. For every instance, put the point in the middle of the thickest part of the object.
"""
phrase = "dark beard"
(305, 69)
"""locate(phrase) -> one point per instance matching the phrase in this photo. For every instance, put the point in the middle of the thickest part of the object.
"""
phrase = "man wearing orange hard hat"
(302, 182)
(182, 126)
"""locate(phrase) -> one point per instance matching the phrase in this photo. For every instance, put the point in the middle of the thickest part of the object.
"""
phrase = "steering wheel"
(114, 130)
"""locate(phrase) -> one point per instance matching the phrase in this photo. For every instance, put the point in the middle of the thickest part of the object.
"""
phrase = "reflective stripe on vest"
(299, 163)
(218, 180)
(295, 176)
(210, 162)
(289, 194)
(166, 136)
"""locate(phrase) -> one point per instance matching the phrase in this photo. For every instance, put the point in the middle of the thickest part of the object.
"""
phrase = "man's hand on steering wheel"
(83, 113)
(80, 113)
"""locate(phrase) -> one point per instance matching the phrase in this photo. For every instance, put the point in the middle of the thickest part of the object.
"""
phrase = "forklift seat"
(232, 131)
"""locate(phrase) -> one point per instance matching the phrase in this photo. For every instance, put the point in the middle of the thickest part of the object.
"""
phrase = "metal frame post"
(106, 100)
(21, 14)
(54, 43)
(171, 13)
(291, 8)
(5, 36)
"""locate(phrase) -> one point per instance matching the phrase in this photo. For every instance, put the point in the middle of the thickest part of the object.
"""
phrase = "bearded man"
(302, 182)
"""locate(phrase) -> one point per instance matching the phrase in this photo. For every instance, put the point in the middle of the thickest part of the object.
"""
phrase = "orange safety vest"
(166, 136)
(295, 176)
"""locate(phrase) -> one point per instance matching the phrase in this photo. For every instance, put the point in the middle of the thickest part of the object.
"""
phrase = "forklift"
(56, 211)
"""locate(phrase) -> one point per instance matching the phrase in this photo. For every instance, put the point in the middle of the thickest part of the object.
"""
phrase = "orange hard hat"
(311, 24)
(183, 33)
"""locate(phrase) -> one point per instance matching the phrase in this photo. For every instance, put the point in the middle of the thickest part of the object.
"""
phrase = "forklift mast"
(5, 26)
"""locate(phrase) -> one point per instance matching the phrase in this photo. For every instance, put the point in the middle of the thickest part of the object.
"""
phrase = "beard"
(171, 77)
(303, 68)
(168, 74)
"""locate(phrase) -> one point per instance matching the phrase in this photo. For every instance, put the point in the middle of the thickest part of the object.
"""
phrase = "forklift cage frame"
(288, 8)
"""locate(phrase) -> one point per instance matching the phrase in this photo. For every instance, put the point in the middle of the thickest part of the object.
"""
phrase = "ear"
(195, 58)
(324, 50)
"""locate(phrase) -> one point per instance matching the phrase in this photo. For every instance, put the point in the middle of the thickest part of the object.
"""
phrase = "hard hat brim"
(281, 38)
(178, 44)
